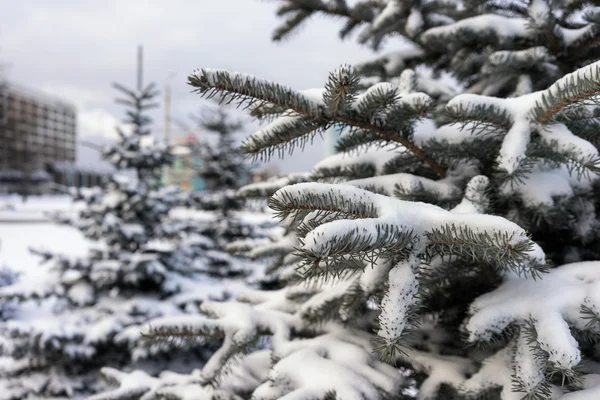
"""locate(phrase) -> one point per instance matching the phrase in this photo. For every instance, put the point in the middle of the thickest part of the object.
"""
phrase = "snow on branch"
(244, 246)
(379, 111)
(535, 112)
(363, 164)
(409, 186)
(547, 311)
(345, 354)
(238, 324)
(131, 385)
(364, 226)
(476, 197)
(581, 86)
(267, 188)
(351, 372)
(487, 25)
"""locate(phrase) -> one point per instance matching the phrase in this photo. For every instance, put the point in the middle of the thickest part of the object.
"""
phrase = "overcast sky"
(75, 48)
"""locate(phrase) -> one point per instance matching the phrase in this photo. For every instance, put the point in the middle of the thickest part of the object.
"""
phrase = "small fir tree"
(221, 166)
(222, 163)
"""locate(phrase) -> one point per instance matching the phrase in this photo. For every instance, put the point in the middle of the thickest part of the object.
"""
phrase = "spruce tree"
(76, 315)
(223, 165)
(219, 163)
(451, 250)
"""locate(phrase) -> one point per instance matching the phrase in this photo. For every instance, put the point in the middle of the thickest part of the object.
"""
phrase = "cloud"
(98, 122)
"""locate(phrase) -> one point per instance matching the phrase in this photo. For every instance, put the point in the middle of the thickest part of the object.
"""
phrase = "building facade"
(36, 130)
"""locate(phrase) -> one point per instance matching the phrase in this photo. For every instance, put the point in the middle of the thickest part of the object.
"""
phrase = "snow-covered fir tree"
(223, 168)
(219, 163)
(495, 48)
(450, 251)
(77, 314)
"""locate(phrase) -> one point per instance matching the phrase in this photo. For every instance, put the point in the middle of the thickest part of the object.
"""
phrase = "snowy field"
(12, 208)
(24, 225)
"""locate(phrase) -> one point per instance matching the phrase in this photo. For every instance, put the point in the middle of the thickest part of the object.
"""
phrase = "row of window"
(26, 104)
(38, 148)
(41, 132)
(32, 120)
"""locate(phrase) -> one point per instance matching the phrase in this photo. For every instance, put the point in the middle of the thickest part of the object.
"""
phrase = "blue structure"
(183, 171)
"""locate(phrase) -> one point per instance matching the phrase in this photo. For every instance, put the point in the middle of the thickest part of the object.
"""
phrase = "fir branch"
(576, 162)
(179, 334)
(318, 218)
(480, 119)
(294, 19)
(400, 310)
(377, 98)
(324, 271)
(287, 204)
(397, 137)
(247, 89)
(341, 90)
(355, 139)
(390, 241)
(281, 135)
(353, 303)
(323, 312)
(520, 175)
(342, 173)
(566, 377)
(586, 128)
(418, 193)
(497, 248)
(251, 90)
(407, 162)
(591, 313)
(360, 13)
(577, 87)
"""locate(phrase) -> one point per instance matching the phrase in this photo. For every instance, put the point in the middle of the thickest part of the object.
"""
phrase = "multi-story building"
(36, 130)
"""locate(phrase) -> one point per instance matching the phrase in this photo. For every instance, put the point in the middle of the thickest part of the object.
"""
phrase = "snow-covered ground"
(17, 237)
(34, 209)
(25, 225)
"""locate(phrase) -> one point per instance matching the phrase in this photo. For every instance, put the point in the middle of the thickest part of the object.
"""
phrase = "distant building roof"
(65, 166)
(39, 96)
(14, 176)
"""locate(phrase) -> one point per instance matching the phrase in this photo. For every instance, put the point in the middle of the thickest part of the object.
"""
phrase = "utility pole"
(140, 69)
(168, 111)
(167, 116)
